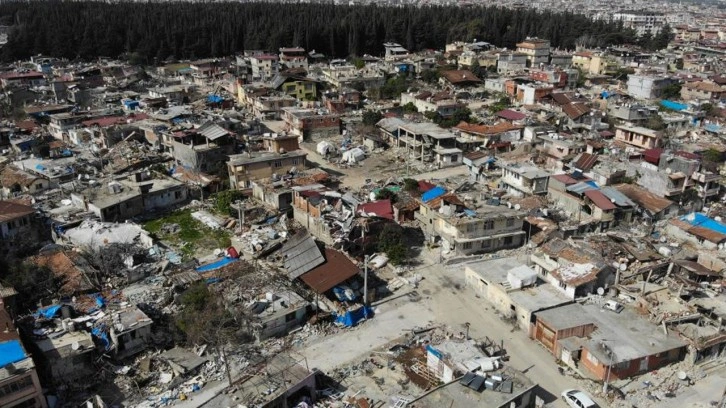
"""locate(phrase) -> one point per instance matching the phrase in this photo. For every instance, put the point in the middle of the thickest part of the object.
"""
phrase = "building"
(466, 231)
(493, 138)
(395, 52)
(264, 66)
(67, 358)
(248, 167)
(442, 103)
(129, 332)
(459, 78)
(514, 289)
(576, 270)
(15, 218)
(126, 197)
(275, 313)
(515, 391)
(522, 180)
(16, 182)
(511, 62)
(643, 22)
(634, 113)
(295, 83)
(704, 91)
(294, 57)
(606, 344)
(202, 149)
(529, 94)
(537, 51)
(649, 206)
(645, 86)
(639, 137)
(19, 384)
(309, 124)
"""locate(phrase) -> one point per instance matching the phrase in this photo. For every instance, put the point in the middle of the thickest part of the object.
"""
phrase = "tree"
(370, 117)
(672, 91)
(224, 199)
(707, 109)
(501, 104)
(386, 194)
(655, 122)
(409, 108)
(477, 69)
(390, 241)
(430, 75)
(358, 63)
(662, 39)
(410, 185)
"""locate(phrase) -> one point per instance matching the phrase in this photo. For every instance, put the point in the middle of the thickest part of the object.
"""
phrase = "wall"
(240, 175)
(628, 369)
(282, 324)
(33, 390)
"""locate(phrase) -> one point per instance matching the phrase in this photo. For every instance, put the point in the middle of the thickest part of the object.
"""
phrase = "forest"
(158, 31)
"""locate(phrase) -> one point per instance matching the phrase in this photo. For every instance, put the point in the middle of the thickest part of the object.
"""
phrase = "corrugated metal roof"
(301, 254)
(617, 197)
(336, 270)
(580, 187)
(586, 161)
(212, 131)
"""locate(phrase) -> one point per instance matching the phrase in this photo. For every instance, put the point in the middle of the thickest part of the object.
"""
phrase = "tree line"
(158, 31)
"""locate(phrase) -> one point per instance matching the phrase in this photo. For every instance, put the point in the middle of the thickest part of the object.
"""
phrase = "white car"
(578, 399)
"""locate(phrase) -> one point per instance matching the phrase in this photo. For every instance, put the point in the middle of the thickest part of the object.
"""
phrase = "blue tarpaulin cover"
(100, 333)
(351, 318)
(215, 99)
(700, 220)
(11, 352)
(433, 193)
(344, 294)
(48, 312)
(215, 265)
(673, 105)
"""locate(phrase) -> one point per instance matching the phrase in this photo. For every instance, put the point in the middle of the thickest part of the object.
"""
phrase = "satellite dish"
(682, 375)
(75, 346)
(600, 291)
(517, 207)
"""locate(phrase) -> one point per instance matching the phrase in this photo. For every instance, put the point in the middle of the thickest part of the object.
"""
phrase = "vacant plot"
(190, 236)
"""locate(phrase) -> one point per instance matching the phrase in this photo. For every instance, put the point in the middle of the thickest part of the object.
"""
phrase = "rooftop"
(259, 157)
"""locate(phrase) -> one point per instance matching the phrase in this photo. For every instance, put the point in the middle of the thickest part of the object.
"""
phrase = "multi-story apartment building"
(641, 21)
(248, 167)
(536, 49)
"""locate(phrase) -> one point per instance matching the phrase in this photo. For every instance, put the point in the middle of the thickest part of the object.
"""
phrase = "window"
(508, 240)
(277, 163)
(290, 317)
(489, 224)
(510, 222)
(454, 158)
(487, 243)
(592, 359)
(294, 162)
(466, 245)
(177, 195)
(16, 386)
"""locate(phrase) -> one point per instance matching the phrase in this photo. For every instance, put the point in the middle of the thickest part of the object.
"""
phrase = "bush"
(223, 201)
(370, 118)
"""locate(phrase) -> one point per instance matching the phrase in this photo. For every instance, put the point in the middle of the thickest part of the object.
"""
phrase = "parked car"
(614, 306)
(578, 399)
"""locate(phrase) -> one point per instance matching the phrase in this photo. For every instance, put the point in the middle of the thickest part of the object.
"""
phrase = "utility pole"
(365, 280)
(610, 366)
(240, 215)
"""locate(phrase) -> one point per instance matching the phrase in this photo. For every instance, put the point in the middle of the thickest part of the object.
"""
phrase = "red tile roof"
(460, 77)
(600, 200)
(115, 120)
(511, 115)
(381, 208)
(10, 210)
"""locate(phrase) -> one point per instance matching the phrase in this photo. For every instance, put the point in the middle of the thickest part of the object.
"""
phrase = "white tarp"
(354, 155)
(325, 147)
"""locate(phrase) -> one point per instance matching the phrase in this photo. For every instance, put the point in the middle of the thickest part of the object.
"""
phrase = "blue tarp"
(131, 104)
(213, 280)
(100, 302)
(700, 220)
(39, 167)
(605, 94)
(11, 352)
(351, 318)
(48, 312)
(215, 265)
(673, 105)
(712, 127)
(100, 333)
(433, 193)
(215, 99)
(592, 183)
(344, 294)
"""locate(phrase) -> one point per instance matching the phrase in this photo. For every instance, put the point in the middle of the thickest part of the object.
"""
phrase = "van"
(578, 399)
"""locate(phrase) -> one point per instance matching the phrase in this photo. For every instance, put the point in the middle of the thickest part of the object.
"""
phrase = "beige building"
(468, 231)
(248, 167)
(637, 136)
(536, 49)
